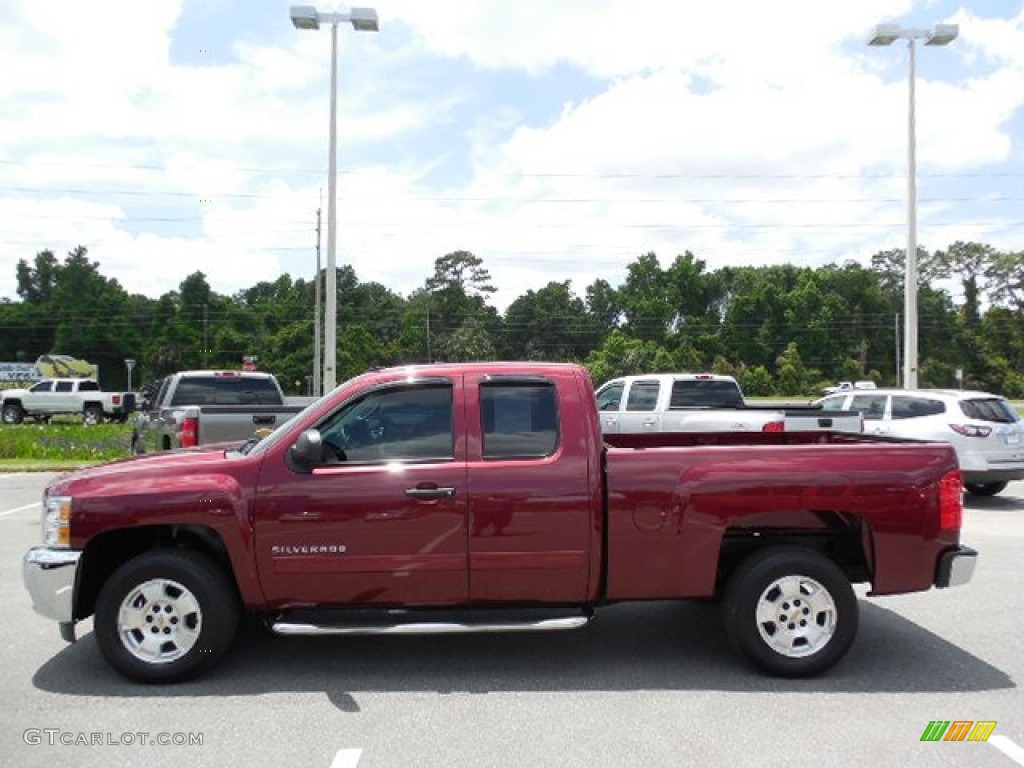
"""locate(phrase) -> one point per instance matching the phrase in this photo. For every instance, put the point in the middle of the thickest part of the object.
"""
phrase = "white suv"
(985, 429)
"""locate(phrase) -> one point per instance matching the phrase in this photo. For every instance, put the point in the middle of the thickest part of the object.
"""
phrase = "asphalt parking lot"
(644, 685)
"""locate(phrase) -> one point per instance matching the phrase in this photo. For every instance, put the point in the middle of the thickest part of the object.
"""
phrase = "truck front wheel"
(790, 611)
(165, 616)
(13, 414)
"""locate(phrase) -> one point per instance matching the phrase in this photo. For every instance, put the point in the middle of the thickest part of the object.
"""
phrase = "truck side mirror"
(308, 450)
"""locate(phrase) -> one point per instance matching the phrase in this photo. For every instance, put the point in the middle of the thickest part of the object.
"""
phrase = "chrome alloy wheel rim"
(796, 616)
(159, 621)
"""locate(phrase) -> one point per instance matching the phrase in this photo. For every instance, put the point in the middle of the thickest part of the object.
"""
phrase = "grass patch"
(42, 465)
(74, 444)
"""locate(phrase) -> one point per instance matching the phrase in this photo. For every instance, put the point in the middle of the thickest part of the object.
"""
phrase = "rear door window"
(908, 407)
(643, 396)
(520, 419)
(834, 403)
(871, 407)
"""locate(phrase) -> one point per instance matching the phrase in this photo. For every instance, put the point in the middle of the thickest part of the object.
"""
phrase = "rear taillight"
(774, 426)
(189, 432)
(971, 430)
(951, 493)
(116, 399)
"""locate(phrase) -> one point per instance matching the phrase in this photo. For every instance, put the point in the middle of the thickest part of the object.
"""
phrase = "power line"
(679, 174)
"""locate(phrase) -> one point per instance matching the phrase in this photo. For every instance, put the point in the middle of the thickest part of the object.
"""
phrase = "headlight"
(57, 521)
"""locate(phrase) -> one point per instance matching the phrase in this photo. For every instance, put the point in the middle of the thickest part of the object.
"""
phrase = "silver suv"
(985, 429)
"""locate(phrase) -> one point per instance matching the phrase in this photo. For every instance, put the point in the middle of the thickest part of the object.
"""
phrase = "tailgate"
(226, 423)
(816, 420)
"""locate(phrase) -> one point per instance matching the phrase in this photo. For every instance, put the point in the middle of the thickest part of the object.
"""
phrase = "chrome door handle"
(429, 493)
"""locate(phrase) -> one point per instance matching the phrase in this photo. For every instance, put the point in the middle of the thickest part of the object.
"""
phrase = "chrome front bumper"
(956, 567)
(49, 576)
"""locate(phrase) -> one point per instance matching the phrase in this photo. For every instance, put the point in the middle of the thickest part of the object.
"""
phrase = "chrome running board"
(429, 627)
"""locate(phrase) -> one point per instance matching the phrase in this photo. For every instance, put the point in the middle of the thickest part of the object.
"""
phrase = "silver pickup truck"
(705, 402)
(192, 408)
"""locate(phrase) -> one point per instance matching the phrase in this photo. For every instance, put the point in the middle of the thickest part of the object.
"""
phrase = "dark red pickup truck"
(483, 497)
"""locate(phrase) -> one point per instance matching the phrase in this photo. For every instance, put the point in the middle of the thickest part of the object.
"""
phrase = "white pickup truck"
(847, 386)
(705, 402)
(50, 397)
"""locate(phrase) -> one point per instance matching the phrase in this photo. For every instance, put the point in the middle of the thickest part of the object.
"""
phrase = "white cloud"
(744, 131)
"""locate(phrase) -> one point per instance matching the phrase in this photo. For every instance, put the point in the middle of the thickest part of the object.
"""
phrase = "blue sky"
(555, 139)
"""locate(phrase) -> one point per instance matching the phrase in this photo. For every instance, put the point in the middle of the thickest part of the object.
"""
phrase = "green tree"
(470, 342)
(647, 300)
(756, 381)
(458, 292)
(604, 307)
(549, 324)
(621, 355)
(794, 379)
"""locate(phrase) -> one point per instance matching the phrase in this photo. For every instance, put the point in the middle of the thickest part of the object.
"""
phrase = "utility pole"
(206, 334)
(317, 367)
(896, 335)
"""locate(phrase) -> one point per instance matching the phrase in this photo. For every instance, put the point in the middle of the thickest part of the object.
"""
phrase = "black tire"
(180, 597)
(92, 415)
(12, 414)
(985, 489)
(808, 611)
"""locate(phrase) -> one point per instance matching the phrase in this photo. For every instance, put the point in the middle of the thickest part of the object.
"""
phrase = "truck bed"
(783, 484)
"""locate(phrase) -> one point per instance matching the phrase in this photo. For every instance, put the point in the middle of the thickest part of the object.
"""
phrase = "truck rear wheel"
(92, 415)
(985, 489)
(12, 414)
(165, 616)
(790, 611)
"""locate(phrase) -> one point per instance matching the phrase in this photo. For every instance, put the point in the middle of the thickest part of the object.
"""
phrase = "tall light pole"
(362, 20)
(318, 370)
(887, 34)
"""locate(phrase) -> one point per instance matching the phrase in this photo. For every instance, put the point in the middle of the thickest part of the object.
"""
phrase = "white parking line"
(347, 758)
(1009, 748)
(7, 512)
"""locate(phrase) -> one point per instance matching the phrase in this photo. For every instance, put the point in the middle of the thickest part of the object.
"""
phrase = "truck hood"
(194, 461)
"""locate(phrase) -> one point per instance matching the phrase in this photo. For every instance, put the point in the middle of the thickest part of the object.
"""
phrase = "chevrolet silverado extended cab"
(52, 397)
(482, 497)
(705, 402)
(193, 408)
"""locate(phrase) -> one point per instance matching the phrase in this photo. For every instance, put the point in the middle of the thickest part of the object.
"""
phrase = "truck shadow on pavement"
(655, 646)
(978, 503)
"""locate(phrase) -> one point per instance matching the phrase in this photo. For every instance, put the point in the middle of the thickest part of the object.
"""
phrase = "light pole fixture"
(362, 20)
(129, 363)
(887, 34)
